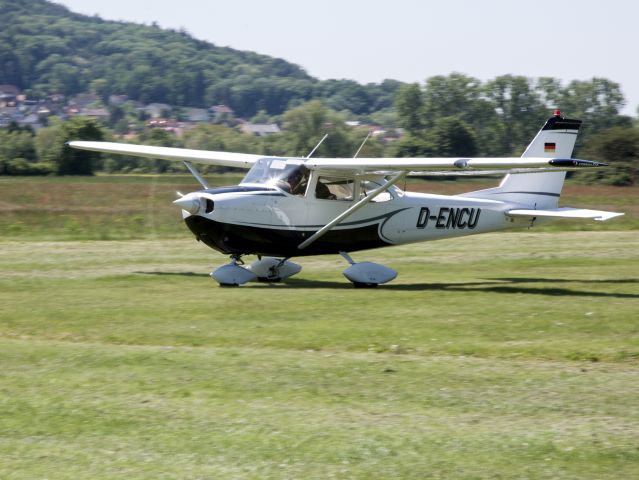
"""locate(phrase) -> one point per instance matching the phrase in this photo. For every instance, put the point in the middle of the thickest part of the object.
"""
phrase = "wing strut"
(351, 210)
(196, 174)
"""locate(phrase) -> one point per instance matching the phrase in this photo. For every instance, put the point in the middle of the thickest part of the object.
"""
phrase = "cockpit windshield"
(291, 176)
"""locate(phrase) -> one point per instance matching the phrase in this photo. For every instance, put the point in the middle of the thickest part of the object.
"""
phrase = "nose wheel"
(233, 274)
(265, 269)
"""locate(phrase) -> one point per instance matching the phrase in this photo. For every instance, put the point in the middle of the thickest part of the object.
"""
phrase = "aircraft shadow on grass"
(505, 285)
(175, 274)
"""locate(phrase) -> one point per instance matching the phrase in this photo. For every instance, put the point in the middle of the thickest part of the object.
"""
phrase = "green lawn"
(511, 355)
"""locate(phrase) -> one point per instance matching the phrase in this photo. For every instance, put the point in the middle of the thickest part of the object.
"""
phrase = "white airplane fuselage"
(296, 206)
(253, 219)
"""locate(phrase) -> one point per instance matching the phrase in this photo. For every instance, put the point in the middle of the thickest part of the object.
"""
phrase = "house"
(118, 99)
(84, 100)
(11, 113)
(222, 110)
(31, 120)
(157, 110)
(9, 90)
(196, 114)
(70, 110)
(101, 114)
(221, 113)
(9, 95)
(377, 131)
(260, 129)
(163, 124)
(8, 115)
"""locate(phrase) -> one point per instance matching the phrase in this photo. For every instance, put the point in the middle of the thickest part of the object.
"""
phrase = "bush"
(618, 146)
(21, 166)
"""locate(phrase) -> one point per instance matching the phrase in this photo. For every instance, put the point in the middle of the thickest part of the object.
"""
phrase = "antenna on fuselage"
(362, 145)
(317, 146)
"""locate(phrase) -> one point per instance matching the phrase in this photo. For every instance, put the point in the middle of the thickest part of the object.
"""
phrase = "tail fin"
(540, 190)
(556, 138)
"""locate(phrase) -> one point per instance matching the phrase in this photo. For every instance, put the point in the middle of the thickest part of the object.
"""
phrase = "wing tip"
(608, 216)
(575, 162)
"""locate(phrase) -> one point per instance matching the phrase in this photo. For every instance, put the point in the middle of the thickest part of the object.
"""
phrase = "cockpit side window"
(334, 188)
(265, 170)
(296, 181)
(291, 176)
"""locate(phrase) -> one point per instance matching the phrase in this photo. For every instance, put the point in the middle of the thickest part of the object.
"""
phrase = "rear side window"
(334, 188)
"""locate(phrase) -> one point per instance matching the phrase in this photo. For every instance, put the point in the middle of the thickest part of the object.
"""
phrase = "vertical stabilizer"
(540, 190)
(556, 139)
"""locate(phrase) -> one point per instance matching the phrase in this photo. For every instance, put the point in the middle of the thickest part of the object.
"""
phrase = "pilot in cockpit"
(296, 182)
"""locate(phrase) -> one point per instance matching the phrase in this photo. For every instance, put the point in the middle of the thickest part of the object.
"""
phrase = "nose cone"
(188, 203)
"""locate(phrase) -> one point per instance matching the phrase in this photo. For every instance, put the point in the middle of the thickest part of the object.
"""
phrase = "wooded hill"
(45, 49)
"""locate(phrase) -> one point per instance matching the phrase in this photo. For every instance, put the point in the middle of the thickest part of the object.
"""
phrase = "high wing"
(448, 165)
(374, 166)
(225, 159)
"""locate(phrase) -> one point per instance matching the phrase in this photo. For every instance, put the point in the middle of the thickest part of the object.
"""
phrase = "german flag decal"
(549, 147)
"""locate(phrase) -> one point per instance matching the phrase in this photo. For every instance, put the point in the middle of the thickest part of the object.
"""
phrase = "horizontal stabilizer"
(564, 212)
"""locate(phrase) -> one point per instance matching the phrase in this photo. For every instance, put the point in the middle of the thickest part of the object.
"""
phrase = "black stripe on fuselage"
(364, 221)
(243, 239)
(242, 189)
(547, 194)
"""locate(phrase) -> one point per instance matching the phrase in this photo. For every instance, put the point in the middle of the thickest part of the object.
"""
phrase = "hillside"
(46, 49)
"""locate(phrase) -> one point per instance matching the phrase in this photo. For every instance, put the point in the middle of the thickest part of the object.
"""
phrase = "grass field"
(513, 355)
(139, 206)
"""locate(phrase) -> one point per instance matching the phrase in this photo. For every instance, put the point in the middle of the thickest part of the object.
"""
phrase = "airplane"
(297, 206)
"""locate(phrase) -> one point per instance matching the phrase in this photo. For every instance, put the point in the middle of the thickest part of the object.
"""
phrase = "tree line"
(458, 115)
(448, 133)
(499, 117)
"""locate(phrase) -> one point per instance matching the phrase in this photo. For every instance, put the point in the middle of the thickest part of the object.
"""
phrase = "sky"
(412, 40)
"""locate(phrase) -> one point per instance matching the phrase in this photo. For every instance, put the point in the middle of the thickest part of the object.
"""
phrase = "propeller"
(190, 203)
